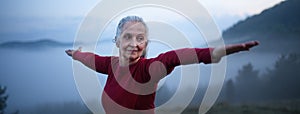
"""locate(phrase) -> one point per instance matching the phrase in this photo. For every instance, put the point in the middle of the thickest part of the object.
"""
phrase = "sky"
(29, 19)
(66, 8)
(228, 12)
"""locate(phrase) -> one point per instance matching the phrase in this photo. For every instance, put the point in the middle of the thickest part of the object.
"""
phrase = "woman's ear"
(147, 43)
(117, 42)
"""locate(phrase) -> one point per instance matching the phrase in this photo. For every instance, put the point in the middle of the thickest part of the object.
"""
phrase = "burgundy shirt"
(131, 89)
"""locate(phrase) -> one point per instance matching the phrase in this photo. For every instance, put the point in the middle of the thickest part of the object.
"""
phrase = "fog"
(35, 77)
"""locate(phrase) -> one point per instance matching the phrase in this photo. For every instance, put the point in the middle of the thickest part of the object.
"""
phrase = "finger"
(251, 44)
(256, 42)
(80, 48)
(69, 52)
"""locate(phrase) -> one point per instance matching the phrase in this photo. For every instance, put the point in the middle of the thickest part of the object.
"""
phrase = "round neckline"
(133, 64)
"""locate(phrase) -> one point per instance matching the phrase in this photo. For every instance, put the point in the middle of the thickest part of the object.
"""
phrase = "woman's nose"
(133, 43)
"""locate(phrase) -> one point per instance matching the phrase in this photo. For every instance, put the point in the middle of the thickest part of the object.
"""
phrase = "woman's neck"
(126, 61)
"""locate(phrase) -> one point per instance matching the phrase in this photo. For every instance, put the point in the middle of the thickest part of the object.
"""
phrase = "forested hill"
(279, 23)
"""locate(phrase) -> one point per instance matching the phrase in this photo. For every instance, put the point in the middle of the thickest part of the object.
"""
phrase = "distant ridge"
(44, 43)
(279, 22)
(277, 29)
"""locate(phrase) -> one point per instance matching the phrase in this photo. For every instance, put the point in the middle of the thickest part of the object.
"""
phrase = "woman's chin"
(133, 58)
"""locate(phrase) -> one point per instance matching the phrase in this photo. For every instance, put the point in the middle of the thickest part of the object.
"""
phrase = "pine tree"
(3, 99)
(247, 83)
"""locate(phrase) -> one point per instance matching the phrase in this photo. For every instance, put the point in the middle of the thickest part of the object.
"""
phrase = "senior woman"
(132, 78)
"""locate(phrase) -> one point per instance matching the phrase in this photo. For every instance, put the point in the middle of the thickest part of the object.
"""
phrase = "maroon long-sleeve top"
(131, 89)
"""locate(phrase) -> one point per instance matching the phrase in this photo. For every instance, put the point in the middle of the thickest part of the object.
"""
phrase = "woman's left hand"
(221, 51)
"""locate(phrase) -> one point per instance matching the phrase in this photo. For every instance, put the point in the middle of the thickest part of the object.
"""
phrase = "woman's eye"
(126, 37)
(140, 38)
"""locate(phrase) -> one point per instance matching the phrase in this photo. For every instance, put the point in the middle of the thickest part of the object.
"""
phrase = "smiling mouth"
(132, 51)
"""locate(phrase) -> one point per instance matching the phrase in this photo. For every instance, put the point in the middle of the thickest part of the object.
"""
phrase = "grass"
(281, 107)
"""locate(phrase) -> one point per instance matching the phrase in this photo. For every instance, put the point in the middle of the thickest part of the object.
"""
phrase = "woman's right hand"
(70, 52)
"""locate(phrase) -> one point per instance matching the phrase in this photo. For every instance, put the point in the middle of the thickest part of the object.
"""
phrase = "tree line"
(278, 83)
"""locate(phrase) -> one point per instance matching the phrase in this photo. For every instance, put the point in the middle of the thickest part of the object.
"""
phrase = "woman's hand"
(230, 49)
(70, 52)
(221, 51)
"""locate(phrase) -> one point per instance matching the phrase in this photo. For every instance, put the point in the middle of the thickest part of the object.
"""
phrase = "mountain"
(277, 25)
(38, 44)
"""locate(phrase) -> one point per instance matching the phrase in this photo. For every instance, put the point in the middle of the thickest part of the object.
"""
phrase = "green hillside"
(281, 22)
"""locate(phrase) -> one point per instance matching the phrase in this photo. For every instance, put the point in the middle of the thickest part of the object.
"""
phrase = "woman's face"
(132, 41)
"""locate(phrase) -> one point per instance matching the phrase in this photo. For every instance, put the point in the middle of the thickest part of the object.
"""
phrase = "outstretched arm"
(91, 60)
(221, 51)
(86, 58)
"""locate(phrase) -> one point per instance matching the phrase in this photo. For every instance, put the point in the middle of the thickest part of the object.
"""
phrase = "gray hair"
(125, 20)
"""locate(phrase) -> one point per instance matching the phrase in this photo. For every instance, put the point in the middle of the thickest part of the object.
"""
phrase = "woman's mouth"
(132, 51)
